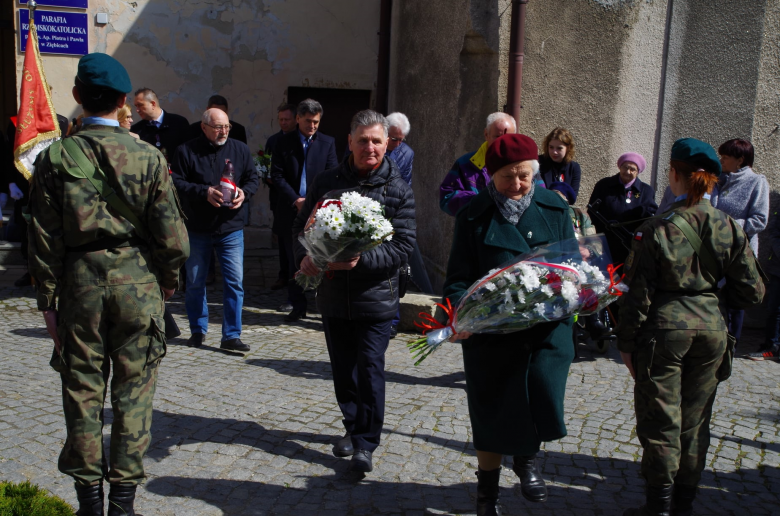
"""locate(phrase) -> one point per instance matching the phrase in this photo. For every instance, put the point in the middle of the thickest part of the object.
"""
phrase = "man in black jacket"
(163, 129)
(237, 131)
(197, 170)
(360, 298)
(298, 158)
(285, 115)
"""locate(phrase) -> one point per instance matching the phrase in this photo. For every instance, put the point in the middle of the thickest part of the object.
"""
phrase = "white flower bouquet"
(549, 283)
(343, 225)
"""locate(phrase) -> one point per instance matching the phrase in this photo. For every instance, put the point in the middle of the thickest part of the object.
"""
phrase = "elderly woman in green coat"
(515, 382)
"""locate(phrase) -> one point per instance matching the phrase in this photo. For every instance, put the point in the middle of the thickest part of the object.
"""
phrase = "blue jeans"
(230, 253)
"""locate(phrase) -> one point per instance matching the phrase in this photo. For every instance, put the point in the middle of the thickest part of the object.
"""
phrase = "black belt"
(108, 243)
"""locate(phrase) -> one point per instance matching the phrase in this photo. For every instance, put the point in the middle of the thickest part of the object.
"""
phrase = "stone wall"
(444, 68)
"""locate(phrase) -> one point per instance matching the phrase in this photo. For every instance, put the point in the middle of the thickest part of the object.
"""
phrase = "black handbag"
(404, 275)
(171, 328)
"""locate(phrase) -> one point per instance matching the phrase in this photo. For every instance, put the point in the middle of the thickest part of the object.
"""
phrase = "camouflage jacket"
(669, 289)
(67, 213)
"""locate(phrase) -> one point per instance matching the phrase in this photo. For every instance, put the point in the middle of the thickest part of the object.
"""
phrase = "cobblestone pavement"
(246, 435)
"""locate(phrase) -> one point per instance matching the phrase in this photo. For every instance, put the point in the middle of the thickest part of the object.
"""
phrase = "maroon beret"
(510, 148)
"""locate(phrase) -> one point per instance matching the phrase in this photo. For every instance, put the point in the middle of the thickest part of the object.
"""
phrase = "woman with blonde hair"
(125, 118)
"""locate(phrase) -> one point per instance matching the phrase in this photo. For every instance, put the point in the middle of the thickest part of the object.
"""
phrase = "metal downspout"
(516, 56)
(383, 58)
(662, 96)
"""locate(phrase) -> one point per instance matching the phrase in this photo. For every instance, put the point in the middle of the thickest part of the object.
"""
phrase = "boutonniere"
(636, 195)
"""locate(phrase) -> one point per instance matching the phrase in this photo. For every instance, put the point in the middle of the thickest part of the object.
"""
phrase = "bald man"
(214, 223)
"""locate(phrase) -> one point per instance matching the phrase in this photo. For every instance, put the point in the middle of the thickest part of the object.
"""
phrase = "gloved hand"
(15, 192)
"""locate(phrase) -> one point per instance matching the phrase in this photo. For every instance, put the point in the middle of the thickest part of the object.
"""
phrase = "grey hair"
(206, 118)
(400, 121)
(498, 116)
(368, 118)
(148, 95)
(309, 107)
(535, 167)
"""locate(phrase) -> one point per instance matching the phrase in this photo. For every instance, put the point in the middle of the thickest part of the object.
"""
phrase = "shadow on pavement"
(314, 369)
(32, 333)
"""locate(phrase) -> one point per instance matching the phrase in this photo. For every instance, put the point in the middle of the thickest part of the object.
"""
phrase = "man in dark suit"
(237, 131)
(163, 129)
(285, 115)
(297, 159)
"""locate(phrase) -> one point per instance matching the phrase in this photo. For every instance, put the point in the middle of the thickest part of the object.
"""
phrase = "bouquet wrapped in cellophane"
(341, 226)
(549, 283)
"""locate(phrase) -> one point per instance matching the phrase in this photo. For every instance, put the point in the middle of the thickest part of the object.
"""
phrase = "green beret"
(697, 153)
(102, 70)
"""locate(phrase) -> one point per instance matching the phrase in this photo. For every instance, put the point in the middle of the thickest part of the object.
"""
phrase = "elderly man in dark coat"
(360, 298)
(515, 382)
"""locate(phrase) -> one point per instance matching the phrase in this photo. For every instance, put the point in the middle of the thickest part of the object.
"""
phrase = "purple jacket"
(467, 177)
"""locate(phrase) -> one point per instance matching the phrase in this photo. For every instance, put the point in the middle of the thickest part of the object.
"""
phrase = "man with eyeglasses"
(397, 148)
(197, 169)
(163, 129)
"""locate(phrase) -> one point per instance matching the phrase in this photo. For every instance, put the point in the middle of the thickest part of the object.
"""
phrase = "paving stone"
(252, 435)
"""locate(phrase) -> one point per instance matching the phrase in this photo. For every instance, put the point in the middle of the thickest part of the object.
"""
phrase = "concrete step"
(11, 254)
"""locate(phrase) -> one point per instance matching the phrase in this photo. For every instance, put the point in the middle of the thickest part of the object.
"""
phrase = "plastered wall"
(622, 75)
(249, 51)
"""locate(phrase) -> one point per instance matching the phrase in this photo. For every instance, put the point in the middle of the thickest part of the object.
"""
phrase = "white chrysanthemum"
(547, 290)
(557, 313)
(501, 283)
(490, 286)
(570, 293)
(529, 278)
(520, 297)
(541, 309)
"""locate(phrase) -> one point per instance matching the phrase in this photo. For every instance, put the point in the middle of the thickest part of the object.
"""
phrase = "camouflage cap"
(698, 153)
(104, 71)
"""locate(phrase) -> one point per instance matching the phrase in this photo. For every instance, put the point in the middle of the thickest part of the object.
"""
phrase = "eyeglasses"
(397, 139)
(219, 128)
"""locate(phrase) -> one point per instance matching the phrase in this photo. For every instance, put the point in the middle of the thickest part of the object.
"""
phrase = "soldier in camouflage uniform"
(671, 332)
(102, 287)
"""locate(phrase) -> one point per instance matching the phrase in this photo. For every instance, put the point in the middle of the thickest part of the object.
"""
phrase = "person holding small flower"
(515, 382)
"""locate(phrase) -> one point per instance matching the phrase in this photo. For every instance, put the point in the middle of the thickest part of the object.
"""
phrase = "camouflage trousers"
(99, 327)
(674, 392)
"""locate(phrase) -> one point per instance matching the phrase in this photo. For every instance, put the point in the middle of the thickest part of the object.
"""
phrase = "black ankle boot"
(90, 500)
(531, 482)
(121, 499)
(682, 500)
(658, 503)
(487, 492)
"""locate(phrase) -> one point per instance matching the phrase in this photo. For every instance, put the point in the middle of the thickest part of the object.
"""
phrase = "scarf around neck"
(511, 210)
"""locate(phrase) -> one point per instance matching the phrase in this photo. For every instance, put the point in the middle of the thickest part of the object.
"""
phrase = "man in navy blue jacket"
(197, 169)
(297, 159)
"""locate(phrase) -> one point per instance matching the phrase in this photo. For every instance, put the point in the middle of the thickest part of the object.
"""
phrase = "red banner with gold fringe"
(36, 123)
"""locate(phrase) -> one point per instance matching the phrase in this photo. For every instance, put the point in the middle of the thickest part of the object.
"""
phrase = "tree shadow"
(320, 370)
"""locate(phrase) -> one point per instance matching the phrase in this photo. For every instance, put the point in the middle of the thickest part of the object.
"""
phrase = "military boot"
(531, 482)
(90, 500)
(487, 492)
(682, 500)
(121, 499)
(658, 503)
